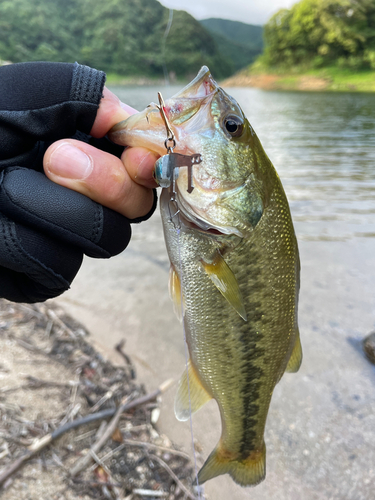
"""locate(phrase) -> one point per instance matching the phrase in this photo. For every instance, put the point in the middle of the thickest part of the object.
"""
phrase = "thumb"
(101, 176)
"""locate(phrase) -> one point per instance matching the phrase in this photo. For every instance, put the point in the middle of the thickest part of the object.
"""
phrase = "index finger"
(111, 111)
(139, 162)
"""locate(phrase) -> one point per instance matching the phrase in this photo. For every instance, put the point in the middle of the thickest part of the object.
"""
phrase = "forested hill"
(126, 37)
(239, 42)
(319, 33)
(249, 35)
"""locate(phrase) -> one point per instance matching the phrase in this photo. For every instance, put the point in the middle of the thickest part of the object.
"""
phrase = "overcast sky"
(247, 11)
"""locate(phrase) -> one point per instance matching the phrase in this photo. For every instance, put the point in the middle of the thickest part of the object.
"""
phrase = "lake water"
(323, 147)
(320, 431)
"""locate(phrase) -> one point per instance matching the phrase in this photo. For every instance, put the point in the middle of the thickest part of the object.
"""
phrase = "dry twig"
(173, 475)
(119, 349)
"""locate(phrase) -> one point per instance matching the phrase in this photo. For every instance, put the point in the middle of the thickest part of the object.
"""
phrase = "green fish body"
(234, 269)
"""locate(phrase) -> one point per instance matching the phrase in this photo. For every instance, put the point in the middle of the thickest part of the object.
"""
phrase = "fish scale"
(234, 265)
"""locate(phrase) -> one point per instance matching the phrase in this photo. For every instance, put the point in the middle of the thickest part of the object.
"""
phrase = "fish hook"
(170, 134)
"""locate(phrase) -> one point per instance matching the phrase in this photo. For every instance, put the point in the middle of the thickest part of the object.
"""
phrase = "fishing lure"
(166, 167)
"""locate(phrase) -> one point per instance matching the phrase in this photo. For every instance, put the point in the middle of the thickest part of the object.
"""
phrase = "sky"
(246, 11)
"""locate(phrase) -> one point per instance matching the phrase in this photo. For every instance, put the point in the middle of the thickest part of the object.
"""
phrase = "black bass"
(234, 266)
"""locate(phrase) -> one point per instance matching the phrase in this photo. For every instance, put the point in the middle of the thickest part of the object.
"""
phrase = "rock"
(369, 347)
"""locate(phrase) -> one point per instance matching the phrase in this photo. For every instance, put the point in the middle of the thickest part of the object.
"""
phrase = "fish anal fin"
(225, 281)
(174, 286)
(249, 471)
(191, 395)
(295, 359)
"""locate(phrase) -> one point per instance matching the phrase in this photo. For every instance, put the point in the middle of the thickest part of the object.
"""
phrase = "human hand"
(45, 227)
(124, 185)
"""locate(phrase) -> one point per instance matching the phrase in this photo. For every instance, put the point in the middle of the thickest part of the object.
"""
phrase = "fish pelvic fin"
(175, 292)
(249, 471)
(295, 359)
(191, 395)
(225, 281)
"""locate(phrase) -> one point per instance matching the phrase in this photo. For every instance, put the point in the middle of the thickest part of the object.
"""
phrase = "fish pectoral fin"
(247, 471)
(191, 395)
(295, 359)
(175, 292)
(225, 281)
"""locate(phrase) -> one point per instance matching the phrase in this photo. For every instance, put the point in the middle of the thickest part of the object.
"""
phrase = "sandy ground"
(320, 431)
(56, 390)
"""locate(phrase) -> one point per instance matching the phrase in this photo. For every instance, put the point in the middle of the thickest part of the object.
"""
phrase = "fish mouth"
(201, 226)
(147, 128)
(194, 221)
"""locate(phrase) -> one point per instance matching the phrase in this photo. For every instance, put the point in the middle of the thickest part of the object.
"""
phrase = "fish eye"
(234, 125)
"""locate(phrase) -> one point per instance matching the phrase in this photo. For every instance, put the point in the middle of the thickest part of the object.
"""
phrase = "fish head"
(229, 192)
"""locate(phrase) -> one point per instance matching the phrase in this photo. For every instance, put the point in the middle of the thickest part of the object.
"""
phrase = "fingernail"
(70, 162)
(145, 169)
(128, 108)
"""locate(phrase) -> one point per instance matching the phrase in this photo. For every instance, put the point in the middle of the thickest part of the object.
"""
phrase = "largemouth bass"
(234, 266)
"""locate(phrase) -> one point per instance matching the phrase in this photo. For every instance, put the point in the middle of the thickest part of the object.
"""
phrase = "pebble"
(369, 347)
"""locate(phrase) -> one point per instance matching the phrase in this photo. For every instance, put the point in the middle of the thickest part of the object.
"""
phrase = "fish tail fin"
(245, 472)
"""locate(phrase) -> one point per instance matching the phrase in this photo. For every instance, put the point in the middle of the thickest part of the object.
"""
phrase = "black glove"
(45, 228)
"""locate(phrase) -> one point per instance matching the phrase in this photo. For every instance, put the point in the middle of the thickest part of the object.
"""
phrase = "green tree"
(322, 32)
(35, 30)
(239, 43)
(190, 46)
(121, 36)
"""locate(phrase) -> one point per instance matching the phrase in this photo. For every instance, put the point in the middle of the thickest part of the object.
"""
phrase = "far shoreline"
(326, 79)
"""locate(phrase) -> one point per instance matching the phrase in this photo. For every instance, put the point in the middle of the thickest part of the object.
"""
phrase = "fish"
(235, 267)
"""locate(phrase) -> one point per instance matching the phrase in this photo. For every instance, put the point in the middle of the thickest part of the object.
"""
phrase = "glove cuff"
(87, 84)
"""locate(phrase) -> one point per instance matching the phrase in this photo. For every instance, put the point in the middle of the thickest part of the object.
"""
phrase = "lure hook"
(170, 134)
(167, 167)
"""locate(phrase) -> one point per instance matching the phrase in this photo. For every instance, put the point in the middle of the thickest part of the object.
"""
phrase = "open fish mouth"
(184, 111)
(191, 220)
(200, 225)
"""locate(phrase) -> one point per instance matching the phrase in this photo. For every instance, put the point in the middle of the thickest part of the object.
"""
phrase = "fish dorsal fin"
(175, 292)
(225, 281)
(190, 395)
(295, 359)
